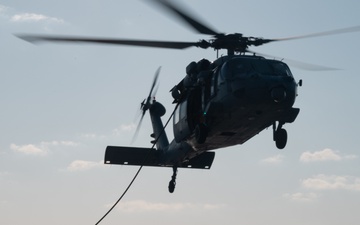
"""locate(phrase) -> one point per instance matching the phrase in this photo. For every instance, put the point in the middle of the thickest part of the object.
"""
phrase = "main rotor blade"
(144, 43)
(319, 34)
(298, 64)
(189, 19)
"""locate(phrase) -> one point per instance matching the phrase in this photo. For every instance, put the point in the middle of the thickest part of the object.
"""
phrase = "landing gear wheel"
(280, 138)
(172, 185)
(172, 182)
(200, 133)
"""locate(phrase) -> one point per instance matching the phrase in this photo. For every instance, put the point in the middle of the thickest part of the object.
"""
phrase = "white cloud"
(41, 149)
(29, 149)
(13, 16)
(143, 206)
(324, 155)
(59, 143)
(82, 165)
(124, 128)
(301, 197)
(350, 157)
(332, 182)
(92, 136)
(32, 17)
(273, 160)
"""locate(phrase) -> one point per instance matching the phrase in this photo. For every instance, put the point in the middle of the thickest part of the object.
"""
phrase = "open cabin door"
(181, 124)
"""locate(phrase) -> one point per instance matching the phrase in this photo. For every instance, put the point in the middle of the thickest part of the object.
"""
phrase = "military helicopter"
(217, 104)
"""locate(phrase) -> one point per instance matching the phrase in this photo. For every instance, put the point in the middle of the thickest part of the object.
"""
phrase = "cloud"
(59, 143)
(82, 165)
(350, 157)
(32, 17)
(324, 155)
(301, 197)
(124, 128)
(273, 160)
(29, 149)
(93, 136)
(11, 15)
(143, 206)
(41, 149)
(332, 182)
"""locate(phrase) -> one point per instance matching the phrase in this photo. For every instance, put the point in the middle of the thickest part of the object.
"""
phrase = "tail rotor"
(147, 102)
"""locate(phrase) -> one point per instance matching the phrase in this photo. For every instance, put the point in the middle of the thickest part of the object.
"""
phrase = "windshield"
(241, 67)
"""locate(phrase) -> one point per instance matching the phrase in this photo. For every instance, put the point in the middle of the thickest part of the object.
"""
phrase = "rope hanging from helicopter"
(140, 168)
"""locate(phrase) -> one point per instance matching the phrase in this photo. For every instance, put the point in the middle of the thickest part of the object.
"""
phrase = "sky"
(62, 104)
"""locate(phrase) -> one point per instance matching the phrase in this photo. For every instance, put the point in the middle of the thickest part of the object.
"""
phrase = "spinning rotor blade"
(137, 129)
(146, 103)
(144, 43)
(233, 43)
(298, 64)
(319, 34)
(186, 17)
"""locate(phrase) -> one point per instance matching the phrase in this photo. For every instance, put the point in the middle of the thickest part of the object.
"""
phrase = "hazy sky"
(61, 105)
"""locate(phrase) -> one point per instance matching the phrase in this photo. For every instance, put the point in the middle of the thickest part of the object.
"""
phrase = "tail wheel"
(200, 133)
(280, 138)
(172, 182)
(171, 186)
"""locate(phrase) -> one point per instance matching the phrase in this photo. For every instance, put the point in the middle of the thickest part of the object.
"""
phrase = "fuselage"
(219, 104)
(241, 96)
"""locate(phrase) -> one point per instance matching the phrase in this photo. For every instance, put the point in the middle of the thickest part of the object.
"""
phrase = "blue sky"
(61, 105)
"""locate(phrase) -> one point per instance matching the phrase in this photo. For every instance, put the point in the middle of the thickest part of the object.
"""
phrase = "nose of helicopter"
(268, 91)
(278, 94)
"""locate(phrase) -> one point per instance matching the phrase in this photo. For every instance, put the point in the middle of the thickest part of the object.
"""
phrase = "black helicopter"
(218, 104)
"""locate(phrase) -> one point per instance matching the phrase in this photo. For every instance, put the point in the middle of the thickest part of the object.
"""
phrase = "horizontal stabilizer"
(203, 161)
(149, 157)
(130, 156)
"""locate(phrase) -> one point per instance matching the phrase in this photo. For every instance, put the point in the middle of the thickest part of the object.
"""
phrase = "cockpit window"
(243, 67)
(281, 69)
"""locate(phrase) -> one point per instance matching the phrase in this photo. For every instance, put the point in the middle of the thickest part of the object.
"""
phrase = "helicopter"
(219, 103)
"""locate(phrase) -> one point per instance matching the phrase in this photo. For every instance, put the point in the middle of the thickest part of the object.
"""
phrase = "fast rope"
(138, 171)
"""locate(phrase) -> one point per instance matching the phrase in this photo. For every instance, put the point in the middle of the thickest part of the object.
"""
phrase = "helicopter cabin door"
(187, 115)
(181, 126)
